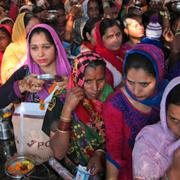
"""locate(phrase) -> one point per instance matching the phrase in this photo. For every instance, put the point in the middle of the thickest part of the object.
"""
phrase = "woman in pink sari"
(45, 55)
(155, 144)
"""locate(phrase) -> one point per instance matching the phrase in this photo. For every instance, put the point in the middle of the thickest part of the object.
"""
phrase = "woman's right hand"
(74, 96)
(30, 84)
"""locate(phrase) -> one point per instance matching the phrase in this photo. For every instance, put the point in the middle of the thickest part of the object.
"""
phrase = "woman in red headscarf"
(108, 37)
(5, 39)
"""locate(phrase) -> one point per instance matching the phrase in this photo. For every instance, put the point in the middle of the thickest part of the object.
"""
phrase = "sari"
(63, 67)
(87, 127)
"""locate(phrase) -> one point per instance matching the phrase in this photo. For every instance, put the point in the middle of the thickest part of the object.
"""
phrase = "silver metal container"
(6, 131)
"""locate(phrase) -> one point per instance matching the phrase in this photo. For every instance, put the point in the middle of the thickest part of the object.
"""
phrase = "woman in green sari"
(79, 134)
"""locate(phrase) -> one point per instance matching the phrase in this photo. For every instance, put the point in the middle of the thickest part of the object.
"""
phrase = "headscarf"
(87, 108)
(157, 143)
(19, 30)
(80, 64)
(2, 21)
(163, 115)
(63, 67)
(15, 55)
(156, 57)
(26, 7)
(114, 57)
(8, 28)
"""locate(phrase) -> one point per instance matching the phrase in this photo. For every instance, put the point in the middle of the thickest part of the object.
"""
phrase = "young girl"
(132, 107)
(155, 144)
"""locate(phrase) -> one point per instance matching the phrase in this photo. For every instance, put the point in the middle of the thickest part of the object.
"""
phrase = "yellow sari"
(15, 54)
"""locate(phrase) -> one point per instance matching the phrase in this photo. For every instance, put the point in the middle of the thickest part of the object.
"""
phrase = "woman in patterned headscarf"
(79, 138)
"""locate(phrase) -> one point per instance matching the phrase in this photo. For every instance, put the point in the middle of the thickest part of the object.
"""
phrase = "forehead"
(92, 4)
(38, 37)
(60, 11)
(131, 21)
(138, 74)
(94, 71)
(174, 110)
(112, 29)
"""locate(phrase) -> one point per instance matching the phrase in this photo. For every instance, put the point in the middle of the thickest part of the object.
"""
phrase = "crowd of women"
(117, 109)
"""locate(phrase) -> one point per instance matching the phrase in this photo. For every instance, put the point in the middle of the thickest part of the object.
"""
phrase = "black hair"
(139, 61)
(28, 17)
(131, 16)
(95, 63)
(173, 96)
(90, 24)
(107, 23)
(58, 6)
(4, 30)
(99, 5)
(42, 30)
(37, 9)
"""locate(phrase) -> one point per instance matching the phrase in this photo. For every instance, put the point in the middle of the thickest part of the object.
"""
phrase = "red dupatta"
(113, 57)
(88, 45)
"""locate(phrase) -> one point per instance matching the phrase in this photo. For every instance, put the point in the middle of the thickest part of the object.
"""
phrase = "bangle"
(65, 118)
(100, 150)
(64, 126)
(70, 17)
(64, 132)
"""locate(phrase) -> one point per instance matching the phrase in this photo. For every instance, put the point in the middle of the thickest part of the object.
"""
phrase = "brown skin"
(4, 41)
(93, 9)
(94, 83)
(173, 119)
(43, 53)
(173, 173)
(30, 84)
(135, 30)
(142, 85)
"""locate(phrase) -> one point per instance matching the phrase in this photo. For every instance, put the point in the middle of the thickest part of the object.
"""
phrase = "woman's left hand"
(95, 163)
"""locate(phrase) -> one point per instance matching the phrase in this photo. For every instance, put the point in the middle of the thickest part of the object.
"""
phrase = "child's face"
(134, 28)
(173, 119)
